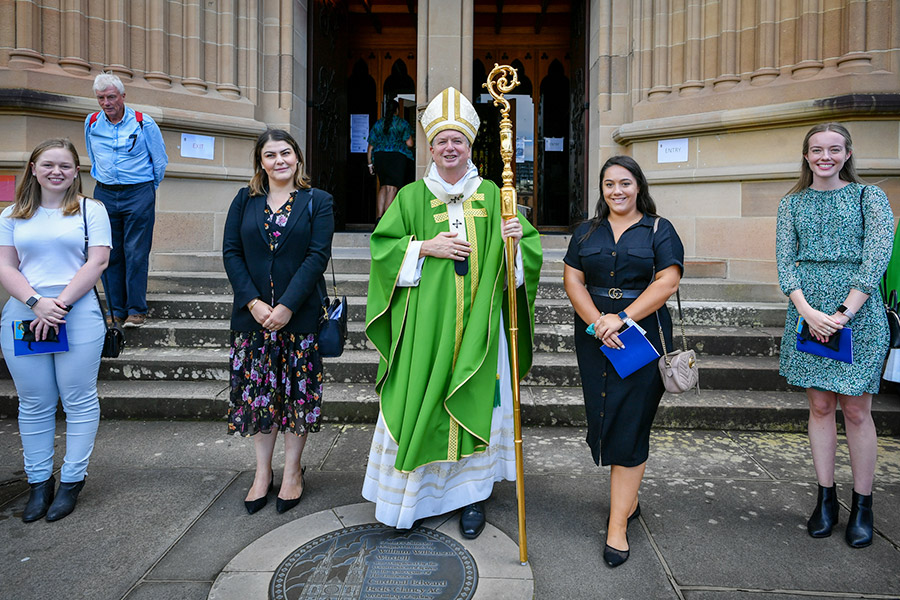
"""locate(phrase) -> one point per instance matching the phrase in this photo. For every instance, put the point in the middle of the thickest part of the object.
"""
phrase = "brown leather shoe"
(135, 320)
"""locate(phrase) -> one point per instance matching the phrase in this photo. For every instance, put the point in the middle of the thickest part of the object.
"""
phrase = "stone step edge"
(357, 403)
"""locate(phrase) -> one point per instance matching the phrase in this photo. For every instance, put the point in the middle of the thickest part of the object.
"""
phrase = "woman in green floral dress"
(833, 244)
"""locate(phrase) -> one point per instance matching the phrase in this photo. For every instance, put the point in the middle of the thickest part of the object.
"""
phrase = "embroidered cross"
(456, 224)
(455, 199)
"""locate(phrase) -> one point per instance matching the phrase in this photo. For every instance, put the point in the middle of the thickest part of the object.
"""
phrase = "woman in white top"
(44, 269)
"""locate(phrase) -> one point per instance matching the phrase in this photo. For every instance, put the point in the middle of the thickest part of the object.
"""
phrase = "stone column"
(73, 32)
(856, 59)
(766, 43)
(729, 73)
(808, 45)
(445, 39)
(193, 48)
(157, 46)
(27, 53)
(225, 50)
(117, 40)
(693, 49)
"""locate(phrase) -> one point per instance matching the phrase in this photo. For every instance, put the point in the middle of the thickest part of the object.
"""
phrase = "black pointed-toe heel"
(282, 505)
(614, 558)
(253, 506)
(64, 503)
(825, 515)
(861, 523)
(39, 500)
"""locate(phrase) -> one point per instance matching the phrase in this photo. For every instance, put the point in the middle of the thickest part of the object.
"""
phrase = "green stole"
(438, 341)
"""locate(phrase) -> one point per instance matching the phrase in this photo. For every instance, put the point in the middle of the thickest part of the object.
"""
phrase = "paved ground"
(724, 518)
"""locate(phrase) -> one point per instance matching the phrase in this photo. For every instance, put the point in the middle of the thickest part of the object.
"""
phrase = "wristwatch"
(846, 311)
(626, 319)
(33, 300)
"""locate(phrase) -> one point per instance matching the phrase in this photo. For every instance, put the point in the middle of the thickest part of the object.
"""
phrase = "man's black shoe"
(471, 520)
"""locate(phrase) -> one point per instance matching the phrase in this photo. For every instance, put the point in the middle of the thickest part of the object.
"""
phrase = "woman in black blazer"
(277, 244)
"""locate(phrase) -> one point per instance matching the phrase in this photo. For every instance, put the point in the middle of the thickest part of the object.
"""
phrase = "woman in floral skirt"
(276, 246)
(833, 244)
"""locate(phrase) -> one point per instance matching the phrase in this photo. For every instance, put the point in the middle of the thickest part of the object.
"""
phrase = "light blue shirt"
(125, 153)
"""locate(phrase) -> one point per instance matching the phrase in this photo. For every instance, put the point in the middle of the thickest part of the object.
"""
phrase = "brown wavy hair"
(644, 200)
(848, 171)
(259, 183)
(28, 194)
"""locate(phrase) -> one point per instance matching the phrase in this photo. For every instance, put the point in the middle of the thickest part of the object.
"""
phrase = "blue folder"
(638, 352)
(844, 353)
(23, 348)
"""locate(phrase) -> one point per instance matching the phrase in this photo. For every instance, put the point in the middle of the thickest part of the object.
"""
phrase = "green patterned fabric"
(438, 342)
(828, 242)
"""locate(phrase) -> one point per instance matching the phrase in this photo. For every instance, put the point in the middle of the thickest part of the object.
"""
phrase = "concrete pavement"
(724, 515)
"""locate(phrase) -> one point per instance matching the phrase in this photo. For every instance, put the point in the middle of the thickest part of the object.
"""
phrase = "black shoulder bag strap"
(107, 315)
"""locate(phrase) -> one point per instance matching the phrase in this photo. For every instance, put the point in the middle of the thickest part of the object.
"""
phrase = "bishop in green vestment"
(436, 313)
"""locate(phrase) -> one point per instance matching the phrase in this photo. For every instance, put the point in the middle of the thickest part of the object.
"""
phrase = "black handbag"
(332, 332)
(114, 340)
(893, 319)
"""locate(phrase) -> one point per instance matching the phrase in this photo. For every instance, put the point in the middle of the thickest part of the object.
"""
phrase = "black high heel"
(64, 503)
(39, 500)
(862, 520)
(253, 506)
(282, 505)
(825, 515)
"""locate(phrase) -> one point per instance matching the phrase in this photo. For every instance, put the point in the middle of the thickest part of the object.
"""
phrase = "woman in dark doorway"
(390, 141)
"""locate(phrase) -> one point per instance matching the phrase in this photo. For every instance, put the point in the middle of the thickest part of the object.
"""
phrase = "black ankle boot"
(64, 503)
(825, 516)
(859, 527)
(39, 500)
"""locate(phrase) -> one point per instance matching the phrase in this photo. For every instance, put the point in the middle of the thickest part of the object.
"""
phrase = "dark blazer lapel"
(299, 212)
(256, 205)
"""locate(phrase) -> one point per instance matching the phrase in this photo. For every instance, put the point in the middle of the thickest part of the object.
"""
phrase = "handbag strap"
(107, 314)
(662, 337)
(330, 260)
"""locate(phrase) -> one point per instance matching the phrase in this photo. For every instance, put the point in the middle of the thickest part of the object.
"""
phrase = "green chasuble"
(438, 341)
(892, 276)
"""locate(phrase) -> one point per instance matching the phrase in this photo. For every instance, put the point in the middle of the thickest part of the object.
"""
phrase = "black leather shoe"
(471, 520)
(64, 503)
(614, 558)
(253, 506)
(861, 522)
(39, 500)
(825, 515)
(282, 505)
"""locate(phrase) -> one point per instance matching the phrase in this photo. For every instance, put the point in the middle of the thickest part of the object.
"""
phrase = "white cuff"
(411, 269)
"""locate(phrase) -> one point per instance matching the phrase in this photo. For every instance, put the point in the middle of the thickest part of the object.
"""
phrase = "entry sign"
(672, 151)
(198, 146)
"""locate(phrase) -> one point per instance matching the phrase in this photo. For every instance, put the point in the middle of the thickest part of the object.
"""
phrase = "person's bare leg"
(624, 484)
(862, 440)
(822, 434)
(264, 446)
(292, 484)
(390, 192)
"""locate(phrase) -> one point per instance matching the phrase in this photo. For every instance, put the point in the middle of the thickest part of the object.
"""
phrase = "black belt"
(121, 187)
(614, 293)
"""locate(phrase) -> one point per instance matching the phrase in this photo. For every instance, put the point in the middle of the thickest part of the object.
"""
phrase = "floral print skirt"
(276, 383)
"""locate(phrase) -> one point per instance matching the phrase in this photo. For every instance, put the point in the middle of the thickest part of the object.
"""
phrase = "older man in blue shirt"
(128, 161)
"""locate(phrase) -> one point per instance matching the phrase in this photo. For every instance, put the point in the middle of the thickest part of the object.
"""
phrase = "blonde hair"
(28, 194)
(848, 171)
(259, 183)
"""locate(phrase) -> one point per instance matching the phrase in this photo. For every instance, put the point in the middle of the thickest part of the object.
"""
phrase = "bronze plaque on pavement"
(376, 562)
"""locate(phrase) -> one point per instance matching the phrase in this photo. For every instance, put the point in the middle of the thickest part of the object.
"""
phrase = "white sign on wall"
(672, 151)
(198, 146)
(359, 131)
(554, 144)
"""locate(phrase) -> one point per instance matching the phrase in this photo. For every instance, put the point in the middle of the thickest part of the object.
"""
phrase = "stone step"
(214, 333)
(547, 310)
(550, 286)
(541, 406)
(359, 366)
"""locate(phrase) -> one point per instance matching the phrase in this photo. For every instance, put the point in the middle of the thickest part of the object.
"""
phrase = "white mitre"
(450, 110)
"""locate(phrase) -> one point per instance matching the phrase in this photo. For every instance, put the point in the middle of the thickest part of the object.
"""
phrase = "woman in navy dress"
(620, 268)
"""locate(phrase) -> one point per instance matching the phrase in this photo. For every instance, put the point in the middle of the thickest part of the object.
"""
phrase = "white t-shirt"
(51, 246)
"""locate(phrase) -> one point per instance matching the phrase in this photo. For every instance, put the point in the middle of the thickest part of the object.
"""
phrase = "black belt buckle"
(615, 293)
